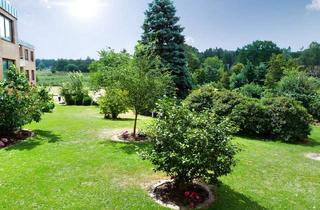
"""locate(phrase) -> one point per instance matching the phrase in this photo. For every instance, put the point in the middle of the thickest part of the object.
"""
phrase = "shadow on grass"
(308, 143)
(128, 148)
(119, 119)
(228, 199)
(40, 137)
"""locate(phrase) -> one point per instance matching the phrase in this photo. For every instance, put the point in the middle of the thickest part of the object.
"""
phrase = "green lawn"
(69, 165)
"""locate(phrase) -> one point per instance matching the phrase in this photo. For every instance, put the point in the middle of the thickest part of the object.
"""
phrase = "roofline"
(26, 44)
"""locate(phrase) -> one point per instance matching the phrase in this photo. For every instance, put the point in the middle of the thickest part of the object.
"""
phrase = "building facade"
(13, 50)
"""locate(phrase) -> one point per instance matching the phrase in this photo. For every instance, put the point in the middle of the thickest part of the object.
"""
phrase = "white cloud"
(314, 5)
(81, 9)
(68, 3)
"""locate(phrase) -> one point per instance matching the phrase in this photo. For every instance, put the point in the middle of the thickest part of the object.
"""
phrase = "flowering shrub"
(20, 102)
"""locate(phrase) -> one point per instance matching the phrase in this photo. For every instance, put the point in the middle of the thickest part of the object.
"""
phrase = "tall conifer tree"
(163, 35)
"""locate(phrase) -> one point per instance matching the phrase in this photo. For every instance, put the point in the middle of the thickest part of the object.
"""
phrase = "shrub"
(276, 118)
(87, 100)
(299, 86)
(48, 107)
(225, 101)
(73, 91)
(113, 103)
(256, 117)
(251, 117)
(252, 90)
(288, 120)
(208, 97)
(189, 145)
(48, 104)
(20, 103)
(314, 107)
(202, 98)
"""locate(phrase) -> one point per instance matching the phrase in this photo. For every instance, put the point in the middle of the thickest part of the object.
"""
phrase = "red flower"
(187, 194)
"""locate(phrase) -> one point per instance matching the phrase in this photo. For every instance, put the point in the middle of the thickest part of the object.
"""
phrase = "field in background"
(47, 78)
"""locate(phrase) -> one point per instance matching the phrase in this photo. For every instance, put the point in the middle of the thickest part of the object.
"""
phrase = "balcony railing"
(7, 7)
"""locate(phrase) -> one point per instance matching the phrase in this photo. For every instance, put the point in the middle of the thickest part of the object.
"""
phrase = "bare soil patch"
(313, 156)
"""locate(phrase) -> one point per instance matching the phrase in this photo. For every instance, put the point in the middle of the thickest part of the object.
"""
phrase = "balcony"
(8, 8)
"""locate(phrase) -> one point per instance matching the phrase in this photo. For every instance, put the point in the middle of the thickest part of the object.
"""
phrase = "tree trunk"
(135, 124)
(181, 185)
(114, 116)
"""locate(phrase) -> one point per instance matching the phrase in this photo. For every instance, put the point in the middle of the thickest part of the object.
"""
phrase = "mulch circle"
(127, 137)
(117, 138)
(14, 138)
(313, 156)
(196, 196)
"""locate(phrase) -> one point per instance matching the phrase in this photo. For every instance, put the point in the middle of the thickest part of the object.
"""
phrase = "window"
(32, 56)
(27, 74)
(2, 31)
(5, 28)
(26, 54)
(32, 75)
(21, 52)
(5, 66)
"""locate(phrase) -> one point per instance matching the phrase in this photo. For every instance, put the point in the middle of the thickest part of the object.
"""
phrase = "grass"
(68, 165)
(47, 78)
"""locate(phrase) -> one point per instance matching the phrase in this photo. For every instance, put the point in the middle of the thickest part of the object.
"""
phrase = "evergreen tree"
(163, 35)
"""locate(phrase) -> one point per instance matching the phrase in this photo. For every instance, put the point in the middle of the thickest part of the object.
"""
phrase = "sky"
(80, 28)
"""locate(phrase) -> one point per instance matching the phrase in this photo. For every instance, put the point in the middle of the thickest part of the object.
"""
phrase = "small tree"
(113, 103)
(74, 91)
(189, 146)
(142, 79)
(211, 71)
(47, 100)
(20, 103)
(144, 84)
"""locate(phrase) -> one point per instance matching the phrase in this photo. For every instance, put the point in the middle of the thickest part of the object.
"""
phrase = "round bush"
(225, 101)
(113, 103)
(202, 98)
(208, 97)
(189, 145)
(288, 119)
(252, 90)
(251, 117)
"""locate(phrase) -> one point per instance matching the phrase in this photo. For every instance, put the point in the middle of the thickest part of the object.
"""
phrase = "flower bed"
(13, 138)
(196, 195)
(126, 136)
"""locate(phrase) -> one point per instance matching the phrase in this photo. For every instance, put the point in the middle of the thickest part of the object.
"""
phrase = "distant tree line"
(218, 65)
(66, 65)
